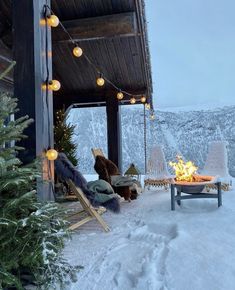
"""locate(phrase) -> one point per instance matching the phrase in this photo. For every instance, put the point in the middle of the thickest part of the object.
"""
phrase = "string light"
(132, 100)
(53, 20)
(51, 154)
(77, 51)
(100, 81)
(143, 99)
(147, 106)
(44, 86)
(120, 95)
(54, 85)
(152, 116)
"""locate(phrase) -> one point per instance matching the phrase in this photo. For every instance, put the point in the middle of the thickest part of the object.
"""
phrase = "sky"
(192, 47)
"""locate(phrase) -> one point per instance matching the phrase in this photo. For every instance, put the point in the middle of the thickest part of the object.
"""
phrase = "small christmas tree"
(63, 133)
(32, 234)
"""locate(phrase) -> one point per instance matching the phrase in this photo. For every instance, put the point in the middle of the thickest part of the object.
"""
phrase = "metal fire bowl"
(191, 189)
(195, 187)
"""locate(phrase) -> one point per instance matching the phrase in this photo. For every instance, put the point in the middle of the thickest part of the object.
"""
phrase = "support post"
(219, 194)
(32, 52)
(172, 197)
(114, 131)
(145, 142)
(179, 196)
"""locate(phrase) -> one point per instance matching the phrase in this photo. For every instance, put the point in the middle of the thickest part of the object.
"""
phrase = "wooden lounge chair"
(97, 151)
(88, 209)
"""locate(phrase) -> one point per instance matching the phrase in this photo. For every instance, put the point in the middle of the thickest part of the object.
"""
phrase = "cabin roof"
(112, 34)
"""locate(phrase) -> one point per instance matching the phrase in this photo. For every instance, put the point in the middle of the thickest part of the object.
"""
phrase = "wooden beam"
(124, 24)
(141, 22)
(95, 96)
(114, 131)
(32, 66)
(103, 104)
(85, 99)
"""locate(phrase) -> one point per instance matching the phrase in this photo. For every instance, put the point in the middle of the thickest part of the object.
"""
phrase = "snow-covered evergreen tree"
(63, 133)
(32, 234)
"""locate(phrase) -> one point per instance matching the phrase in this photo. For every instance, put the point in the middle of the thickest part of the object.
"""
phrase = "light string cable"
(89, 60)
(47, 97)
(47, 71)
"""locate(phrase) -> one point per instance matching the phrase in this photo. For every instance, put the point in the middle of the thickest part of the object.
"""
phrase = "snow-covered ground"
(152, 247)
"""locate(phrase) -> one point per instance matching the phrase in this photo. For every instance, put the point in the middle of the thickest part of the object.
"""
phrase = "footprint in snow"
(136, 261)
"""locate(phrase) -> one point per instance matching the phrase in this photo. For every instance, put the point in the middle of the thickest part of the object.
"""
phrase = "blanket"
(118, 180)
(100, 186)
(102, 189)
(65, 170)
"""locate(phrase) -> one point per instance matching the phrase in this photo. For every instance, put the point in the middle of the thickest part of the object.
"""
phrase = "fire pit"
(187, 181)
(191, 189)
(195, 186)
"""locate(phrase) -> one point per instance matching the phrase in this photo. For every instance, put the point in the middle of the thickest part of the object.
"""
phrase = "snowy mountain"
(181, 132)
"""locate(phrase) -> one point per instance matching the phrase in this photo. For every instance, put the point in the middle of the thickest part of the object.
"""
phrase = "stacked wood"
(202, 178)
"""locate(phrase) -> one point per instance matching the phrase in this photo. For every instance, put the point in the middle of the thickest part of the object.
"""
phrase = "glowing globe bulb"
(143, 99)
(54, 85)
(51, 154)
(44, 87)
(133, 100)
(152, 117)
(53, 20)
(120, 96)
(100, 81)
(77, 51)
(147, 106)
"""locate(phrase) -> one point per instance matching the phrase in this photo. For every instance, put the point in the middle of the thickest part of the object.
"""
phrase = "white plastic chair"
(217, 163)
(157, 171)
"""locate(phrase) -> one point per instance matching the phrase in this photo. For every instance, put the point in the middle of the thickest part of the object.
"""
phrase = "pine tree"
(32, 234)
(63, 133)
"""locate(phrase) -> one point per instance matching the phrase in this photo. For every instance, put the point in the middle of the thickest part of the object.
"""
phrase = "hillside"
(186, 132)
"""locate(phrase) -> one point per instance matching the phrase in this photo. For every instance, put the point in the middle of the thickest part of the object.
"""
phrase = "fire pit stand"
(193, 191)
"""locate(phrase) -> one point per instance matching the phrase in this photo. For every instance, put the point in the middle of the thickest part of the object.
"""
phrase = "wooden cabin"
(113, 37)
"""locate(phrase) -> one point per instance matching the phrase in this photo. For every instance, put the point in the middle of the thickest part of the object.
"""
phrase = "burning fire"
(184, 171)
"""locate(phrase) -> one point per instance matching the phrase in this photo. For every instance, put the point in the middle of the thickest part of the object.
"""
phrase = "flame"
(184, 171)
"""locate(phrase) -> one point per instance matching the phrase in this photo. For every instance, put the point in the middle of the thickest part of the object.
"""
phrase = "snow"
(24, 222)
(187, 134)
(151, 247)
